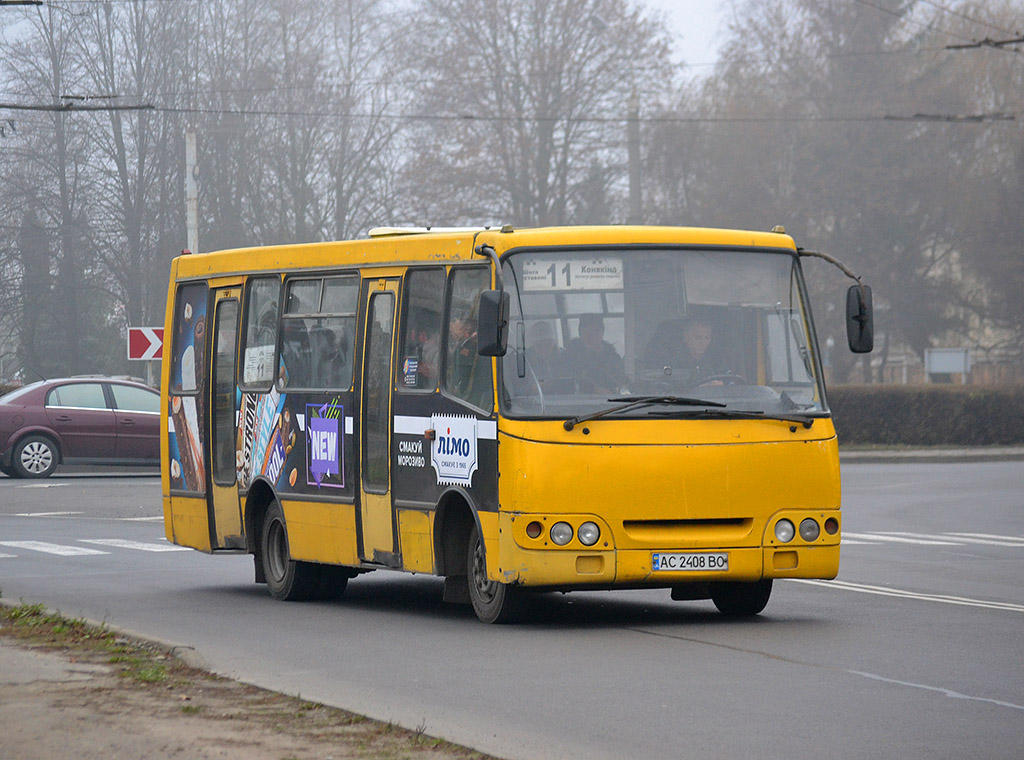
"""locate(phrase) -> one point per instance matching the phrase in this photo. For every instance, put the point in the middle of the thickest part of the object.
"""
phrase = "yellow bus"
(516, 410)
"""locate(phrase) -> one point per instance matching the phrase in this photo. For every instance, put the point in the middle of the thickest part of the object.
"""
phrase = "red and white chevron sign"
(145, 342)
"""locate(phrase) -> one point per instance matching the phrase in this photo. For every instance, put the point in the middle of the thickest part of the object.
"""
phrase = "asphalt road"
(915, 651)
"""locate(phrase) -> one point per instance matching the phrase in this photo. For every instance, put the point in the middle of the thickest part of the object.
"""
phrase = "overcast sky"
(696, 24)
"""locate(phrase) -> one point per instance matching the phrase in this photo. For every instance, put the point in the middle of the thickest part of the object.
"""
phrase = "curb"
(184, 652)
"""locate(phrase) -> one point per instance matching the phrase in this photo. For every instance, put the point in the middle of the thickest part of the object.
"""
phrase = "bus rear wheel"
(741, 599)
(493, 602)
(287, 579)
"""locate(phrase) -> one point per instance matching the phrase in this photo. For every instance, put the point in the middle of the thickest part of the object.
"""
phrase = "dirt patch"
(87, 692)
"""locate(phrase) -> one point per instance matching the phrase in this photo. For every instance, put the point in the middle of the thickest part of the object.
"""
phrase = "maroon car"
(78, 420)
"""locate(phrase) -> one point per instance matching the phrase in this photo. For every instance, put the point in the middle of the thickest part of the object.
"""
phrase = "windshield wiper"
(638, 401)
(743, 414)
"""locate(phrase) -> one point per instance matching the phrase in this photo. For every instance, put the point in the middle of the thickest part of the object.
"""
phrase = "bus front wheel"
(287, 579)
(741, 599)
(493, 602)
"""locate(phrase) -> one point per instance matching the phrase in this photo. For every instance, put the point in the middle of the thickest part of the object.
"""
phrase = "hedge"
(921, 415)
(928, 415)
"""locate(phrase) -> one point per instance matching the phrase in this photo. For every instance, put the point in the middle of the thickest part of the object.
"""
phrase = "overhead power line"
(989, 42)
(74, 106)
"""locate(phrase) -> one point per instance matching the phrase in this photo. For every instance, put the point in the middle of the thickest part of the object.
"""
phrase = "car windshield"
(591, 328)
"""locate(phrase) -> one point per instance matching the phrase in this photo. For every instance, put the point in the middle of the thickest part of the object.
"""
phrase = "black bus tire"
(493, 602)
(287, 579)
(741, 599)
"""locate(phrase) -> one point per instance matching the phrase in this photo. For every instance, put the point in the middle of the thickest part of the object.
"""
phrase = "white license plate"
(690, 561)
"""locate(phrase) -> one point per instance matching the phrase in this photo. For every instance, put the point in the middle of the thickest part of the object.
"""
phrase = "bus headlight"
(561, 533)
(809, 530)
(588, 533)
(784, 531)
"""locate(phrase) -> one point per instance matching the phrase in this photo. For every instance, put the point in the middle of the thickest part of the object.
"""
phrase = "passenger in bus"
(681, 348)
(295, 352)
(332, 371)
(543, 353)
(593, 362)
(466, 380)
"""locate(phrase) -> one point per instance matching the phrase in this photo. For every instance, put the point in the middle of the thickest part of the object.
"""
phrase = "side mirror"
(860, 327)
(492, 328)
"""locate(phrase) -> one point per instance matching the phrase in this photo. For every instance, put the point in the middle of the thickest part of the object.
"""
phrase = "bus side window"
(467, 374)
(420, 352)
(261, 319)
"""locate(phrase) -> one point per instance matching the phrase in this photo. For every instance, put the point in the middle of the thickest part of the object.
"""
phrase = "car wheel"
(35, 456)
(287, 579)
(493, 602)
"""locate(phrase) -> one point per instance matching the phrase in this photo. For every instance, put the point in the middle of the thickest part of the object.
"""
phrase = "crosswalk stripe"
(123, 543)
(47, 548)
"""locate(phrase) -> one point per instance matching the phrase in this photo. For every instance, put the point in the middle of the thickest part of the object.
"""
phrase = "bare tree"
(520, 98)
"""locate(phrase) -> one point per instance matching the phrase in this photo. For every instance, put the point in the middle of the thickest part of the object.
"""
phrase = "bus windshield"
(592, 329)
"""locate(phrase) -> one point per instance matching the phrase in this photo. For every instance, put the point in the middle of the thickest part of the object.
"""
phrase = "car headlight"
(561, 533)
(588, 533)
(809, 530)
(784, 531)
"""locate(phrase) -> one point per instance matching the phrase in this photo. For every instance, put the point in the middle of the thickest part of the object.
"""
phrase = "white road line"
(948, 692)
(897, 539)
(8, 556)
(45, 514)
(899, 593)
(1013, 540)
(958, 537)
(42, 546)
(44, 485)
(123, 543)
(158, 518)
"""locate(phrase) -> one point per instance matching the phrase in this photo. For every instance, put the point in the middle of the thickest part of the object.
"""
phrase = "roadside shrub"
(928, 415)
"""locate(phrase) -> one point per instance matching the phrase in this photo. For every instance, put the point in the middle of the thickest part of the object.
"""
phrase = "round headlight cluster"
(809, 530)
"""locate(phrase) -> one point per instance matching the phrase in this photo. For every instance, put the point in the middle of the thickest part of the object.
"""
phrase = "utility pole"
(636, 208)
(191, 192)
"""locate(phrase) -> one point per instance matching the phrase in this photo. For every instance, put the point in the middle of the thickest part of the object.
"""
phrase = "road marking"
(8, 556)
(123, 543)
(899, 593)
(898, 539)
(1013, 540)
(43, 485)
(948, 692)
(158, 518)
(42, 546)
(45, 514)
(959, 537)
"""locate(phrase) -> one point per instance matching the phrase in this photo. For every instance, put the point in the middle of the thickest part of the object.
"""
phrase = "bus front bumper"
(633, 568)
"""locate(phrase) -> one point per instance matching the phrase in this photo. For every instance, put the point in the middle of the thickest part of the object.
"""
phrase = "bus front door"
(224, 509)
(376, 516)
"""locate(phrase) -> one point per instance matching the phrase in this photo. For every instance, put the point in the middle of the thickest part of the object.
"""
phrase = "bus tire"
(741, 599)
(35, 456)
(493, 602)
(287, 579)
